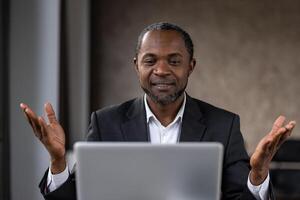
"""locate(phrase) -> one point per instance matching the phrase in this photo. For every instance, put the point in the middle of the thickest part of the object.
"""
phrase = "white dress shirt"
(160, 134)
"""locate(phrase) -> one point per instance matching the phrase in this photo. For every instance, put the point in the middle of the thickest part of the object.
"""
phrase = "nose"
(162, 69)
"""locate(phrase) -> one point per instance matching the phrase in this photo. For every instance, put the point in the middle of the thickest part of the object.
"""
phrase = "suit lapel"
(134, 128)
(193, 128)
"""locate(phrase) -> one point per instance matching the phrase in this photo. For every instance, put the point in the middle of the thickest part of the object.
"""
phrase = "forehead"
(163, 41)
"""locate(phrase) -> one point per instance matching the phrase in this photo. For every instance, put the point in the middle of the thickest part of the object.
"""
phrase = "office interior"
(78, 55)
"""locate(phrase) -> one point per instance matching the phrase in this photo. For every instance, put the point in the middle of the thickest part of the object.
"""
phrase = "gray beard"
(166, 99)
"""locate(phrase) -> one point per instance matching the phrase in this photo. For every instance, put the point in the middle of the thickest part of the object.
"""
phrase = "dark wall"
(4, 148)
(1, 103)
(247, 55)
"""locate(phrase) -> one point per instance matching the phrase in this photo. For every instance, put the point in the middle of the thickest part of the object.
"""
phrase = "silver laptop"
(143, 171)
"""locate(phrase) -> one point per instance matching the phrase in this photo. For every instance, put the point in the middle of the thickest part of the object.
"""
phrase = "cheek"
(182, 76)
(144, 76)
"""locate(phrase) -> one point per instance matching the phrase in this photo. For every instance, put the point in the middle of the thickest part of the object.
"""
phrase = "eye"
(149, 61)
(174, 61)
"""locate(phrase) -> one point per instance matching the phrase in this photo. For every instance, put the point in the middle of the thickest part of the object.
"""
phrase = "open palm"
(50, 134)
(267, 147)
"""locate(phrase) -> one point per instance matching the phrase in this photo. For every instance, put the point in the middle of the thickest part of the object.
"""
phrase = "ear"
(192, 66)
(135, 62)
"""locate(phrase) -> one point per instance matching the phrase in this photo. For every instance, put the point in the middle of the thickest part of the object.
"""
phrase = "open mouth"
(163, 85)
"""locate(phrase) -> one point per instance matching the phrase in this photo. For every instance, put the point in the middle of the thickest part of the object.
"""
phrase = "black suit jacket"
(201, 122)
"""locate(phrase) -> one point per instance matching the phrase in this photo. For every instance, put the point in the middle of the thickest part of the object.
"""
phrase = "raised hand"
(266, 149)
(50, 134)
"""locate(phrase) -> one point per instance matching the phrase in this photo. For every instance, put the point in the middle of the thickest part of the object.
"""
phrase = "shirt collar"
(149, 113)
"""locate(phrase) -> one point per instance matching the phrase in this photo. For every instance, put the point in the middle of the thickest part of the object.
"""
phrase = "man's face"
(163, 65)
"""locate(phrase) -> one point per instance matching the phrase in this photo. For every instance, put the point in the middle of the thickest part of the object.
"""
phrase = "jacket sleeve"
(67, 191)
(236, 166)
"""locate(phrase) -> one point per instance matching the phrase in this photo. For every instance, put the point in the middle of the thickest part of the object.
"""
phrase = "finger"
(281, 135)
(32, 124)
(43, 126)
(50, 113)
(280, 132)
(278, 124)
(287, 132)
(33, 119)
(290, 125)
(293, 123)
(23, 106)
(37, 131)
(27, 118)
(31, 114)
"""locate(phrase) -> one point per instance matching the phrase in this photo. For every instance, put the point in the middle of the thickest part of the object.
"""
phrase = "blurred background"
(78, 55)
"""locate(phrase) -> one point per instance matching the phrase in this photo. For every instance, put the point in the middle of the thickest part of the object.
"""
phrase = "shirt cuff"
(260, 192)
(56, 180)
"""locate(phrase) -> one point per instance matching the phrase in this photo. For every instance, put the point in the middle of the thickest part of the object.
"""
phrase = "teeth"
(162, 83)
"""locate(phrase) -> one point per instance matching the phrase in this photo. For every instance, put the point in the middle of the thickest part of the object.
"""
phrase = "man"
(166, 114)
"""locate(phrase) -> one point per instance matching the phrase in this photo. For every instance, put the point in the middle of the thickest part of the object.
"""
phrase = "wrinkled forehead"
(158, 41)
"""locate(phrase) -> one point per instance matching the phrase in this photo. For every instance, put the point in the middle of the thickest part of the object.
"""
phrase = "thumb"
(50, 113)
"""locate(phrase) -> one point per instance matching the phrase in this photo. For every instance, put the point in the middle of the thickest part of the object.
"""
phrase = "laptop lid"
(144, 171)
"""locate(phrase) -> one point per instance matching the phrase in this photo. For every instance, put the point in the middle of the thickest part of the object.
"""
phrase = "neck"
(165, 113)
